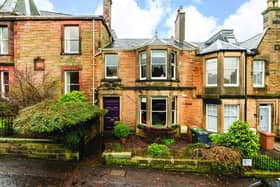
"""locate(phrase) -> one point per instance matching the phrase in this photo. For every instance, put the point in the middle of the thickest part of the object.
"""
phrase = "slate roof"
(253, 43)
(220, 45)
(19, 7)
(48, 13)
(132, 44)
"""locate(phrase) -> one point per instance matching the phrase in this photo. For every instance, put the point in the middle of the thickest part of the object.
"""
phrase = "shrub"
(241, 137)
(264, 162)
(168, 141)
(121, 130)
(141, 126)
(117, 147)
(189, 152)
(55, 117)
(74, 96)
(158, 150)
(216, 138)
(8, 109)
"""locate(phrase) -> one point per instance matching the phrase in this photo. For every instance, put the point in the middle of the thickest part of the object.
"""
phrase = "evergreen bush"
(158, 150)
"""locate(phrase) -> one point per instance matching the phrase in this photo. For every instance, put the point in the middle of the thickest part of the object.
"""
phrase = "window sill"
(63, 53)
(5, 54)
(156, 80)
(111, 80)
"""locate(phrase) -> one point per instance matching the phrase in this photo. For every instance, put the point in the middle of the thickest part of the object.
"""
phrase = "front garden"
(65, 126)
(224, 156)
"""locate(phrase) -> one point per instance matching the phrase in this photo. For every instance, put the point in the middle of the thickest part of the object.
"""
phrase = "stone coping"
(26, 140)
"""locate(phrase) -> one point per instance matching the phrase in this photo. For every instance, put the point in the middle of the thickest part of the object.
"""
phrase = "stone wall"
(36, 148)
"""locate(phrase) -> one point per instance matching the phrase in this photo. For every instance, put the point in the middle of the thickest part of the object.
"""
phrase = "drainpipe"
(246, 96)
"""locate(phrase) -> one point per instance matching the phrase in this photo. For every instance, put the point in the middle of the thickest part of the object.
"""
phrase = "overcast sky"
(142, 18)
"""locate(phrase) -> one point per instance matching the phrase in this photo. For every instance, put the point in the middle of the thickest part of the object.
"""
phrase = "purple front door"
(112, 104)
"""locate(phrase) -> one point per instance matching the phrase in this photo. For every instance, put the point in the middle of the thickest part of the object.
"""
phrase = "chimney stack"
(107, 6)
(272, 3)
(180, 25)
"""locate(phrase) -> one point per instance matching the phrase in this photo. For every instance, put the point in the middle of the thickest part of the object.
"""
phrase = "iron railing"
(6, 125)
(267, 163)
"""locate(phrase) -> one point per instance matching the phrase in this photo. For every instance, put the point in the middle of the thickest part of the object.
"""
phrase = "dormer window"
(159, 64)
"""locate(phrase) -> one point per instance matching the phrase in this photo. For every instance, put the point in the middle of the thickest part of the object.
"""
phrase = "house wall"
(270, 93)
(129, 88)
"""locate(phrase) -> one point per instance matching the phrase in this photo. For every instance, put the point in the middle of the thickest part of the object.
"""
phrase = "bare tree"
(31, 87)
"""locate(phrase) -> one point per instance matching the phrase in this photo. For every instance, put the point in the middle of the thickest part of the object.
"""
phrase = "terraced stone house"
(155, 82)
(60, 44)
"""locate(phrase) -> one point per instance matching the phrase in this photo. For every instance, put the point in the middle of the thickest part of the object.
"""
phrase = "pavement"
(29, 172)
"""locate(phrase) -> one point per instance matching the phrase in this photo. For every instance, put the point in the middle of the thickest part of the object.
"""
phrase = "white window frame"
(257, 72)
(3, 40)
(144, 53)
(142, 110)
(106, 65)
(208, 128)
(237, 74)
(231, 116)
(3, 85)
(173, 66)
(166, 108)
(211, 61)
(66, 85)
(165, 64)
(67, 41)
(174, 110)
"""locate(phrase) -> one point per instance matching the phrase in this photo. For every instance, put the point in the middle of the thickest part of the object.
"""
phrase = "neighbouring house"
(60, 44)
(154, 82)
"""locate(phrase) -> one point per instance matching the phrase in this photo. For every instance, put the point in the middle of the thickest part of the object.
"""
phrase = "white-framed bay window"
(231, 71)
(4, 40)
(71, 39)
(173, 65)
(258, 73)
(212, 117)
(159, 111)
(111, 66)
(211, 72)
(143, 65)
(143, 110)
(231, 114)
(174, 111)
(159, 64)
(4, 76)
(71, 81)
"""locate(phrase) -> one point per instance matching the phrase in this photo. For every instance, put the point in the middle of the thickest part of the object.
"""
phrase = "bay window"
(71, 81)
(258, 73)
(143, 65)
(231, 71)
(174, 106)
(159, 111)
(211, 72)
(143, 110)
(173, 65)
(111, 66)
(212, 117)
(231, 114)
(3, 40)
(158, 64)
